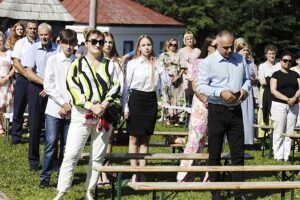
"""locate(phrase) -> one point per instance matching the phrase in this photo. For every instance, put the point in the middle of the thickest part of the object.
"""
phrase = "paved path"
(3, 196)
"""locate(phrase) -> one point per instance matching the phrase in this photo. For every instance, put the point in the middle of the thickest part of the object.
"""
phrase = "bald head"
(225, 41)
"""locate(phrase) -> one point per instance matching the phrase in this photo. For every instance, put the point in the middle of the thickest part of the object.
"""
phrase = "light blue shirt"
(217, 73)
(37, 57)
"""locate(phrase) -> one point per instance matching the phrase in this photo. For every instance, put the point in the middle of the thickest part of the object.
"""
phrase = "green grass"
(18, 183)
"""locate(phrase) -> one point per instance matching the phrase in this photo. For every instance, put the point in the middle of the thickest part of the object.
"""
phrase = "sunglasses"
(287, 60)
(94, 42)
(172, 45)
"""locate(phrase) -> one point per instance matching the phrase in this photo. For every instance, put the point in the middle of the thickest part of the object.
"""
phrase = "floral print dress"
(174, 95)
(197, 128)
(6, 90)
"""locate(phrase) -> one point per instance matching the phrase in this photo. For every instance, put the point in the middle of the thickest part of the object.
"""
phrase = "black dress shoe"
(34, 168)
(44, 184)
(16, 142)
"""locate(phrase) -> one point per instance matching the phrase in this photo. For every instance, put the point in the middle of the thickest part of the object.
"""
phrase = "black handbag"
(113, 114)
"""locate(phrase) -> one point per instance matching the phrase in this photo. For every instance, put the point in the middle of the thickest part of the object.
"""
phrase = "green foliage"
(260, 22)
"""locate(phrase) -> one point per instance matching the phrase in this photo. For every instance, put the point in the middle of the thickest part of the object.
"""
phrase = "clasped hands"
(99, 108)
(231, 97)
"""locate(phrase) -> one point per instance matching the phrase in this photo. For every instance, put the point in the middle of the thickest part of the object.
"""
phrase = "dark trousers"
(225, 120)
(267, 103)
(36, 111)
(20, 103)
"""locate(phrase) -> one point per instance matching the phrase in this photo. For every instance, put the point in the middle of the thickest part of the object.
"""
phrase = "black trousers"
(20, 103)
(267, 103)
(225, 120)
(36, 111)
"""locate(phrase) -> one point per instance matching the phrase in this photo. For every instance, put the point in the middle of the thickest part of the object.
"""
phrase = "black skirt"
(142, 113)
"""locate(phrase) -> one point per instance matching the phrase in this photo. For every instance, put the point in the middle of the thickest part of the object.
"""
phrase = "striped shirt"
(85, 90)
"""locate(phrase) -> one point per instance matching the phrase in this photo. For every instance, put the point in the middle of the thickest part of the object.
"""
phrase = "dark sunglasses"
(94, 42)
(172, 45)
(286, 60)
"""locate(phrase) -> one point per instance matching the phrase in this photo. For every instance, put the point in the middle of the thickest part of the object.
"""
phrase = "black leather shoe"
(16, 142)
(44, 184)
(34, 169)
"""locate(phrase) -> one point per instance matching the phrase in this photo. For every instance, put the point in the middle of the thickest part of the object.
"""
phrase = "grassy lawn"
(17, 182)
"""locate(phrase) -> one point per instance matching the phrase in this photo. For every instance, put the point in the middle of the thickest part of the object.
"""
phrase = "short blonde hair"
(189, 34)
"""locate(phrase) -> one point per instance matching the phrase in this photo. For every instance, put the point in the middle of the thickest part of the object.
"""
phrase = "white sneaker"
(59, 195)
(89, 194)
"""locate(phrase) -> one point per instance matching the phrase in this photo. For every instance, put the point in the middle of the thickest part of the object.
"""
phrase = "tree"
(260, 22)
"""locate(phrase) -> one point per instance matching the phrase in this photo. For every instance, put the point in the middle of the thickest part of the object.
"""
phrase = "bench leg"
(263, 144)
(154, 195)
(119, 186)
(162, 196)
(271, 145)
(6, 138)
(293, 150)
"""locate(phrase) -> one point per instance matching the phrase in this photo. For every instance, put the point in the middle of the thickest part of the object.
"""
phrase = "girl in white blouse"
(142, 77)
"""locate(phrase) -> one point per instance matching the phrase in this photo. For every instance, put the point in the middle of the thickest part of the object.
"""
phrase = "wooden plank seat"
(295, 142)
(168, 156)
(162, 169)
(188, 186)
(268, 130)
(162, 186)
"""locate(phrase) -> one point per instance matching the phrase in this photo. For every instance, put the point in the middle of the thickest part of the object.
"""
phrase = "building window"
(127, 47)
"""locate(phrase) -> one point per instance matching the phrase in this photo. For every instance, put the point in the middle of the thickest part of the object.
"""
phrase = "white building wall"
(121, 34)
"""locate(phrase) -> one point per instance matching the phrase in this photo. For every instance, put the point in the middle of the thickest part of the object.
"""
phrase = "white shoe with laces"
(89, 194)
(59, 195)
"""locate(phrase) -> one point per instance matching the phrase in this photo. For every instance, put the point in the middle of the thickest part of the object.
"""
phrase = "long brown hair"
(113, 53)
(13, 38)
(137, 53)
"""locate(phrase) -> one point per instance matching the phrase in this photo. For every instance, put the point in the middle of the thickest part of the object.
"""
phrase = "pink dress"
(189, 59)
(197, 128)
(6, 90)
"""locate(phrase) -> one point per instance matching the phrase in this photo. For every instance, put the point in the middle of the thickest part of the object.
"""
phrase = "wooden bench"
(156, 156)
(268, 130)
(295, 142)
(199, 186)
(189, 186)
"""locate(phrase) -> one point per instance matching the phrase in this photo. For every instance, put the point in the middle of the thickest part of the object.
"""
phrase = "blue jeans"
(55, 129)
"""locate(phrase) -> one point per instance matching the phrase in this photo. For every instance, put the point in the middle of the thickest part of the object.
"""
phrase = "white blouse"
(265, 71)
(138, 77)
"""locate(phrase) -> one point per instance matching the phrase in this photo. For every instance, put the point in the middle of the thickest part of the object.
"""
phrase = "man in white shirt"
(58, 108)
(20, 95)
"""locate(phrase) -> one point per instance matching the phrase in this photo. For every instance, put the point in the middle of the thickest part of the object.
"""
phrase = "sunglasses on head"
(287, 60)
(94, 42)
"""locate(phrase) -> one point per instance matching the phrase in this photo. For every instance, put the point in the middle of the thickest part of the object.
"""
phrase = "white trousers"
(284, 119)
(77, 138)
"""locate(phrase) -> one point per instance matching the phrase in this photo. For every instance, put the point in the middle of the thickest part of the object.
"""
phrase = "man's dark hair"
(68, 36)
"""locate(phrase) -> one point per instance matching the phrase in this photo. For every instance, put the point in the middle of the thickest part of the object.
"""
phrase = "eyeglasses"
(94, 42)
(172, 45)
(287, 60)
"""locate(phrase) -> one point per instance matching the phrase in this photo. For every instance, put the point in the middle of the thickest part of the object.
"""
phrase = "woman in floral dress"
(6, 71)
(174, 95)
(198, 119)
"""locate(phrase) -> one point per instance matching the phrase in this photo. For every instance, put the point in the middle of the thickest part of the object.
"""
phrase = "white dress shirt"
(138, 77)
(55, 82)
(21, 49)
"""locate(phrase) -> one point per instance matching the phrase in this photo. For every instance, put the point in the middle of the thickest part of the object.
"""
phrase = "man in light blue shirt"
(224, 79)
(35, 62)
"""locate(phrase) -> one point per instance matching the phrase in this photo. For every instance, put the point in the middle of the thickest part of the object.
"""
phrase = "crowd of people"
(77, 95)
